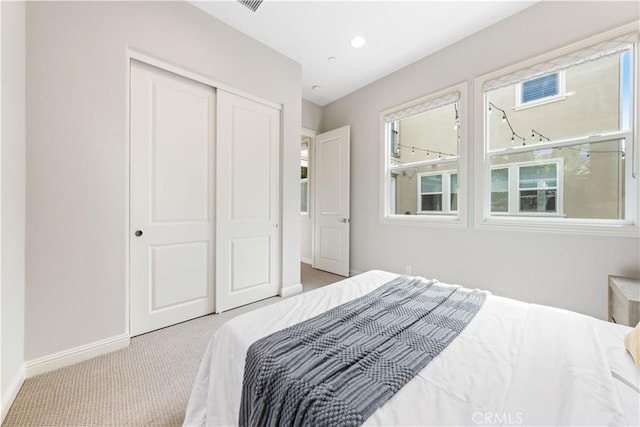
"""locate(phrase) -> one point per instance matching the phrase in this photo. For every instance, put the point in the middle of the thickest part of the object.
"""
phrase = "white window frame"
(446, 192)
(513, 193)
(484, 219)
(560, 96)
(454, 219)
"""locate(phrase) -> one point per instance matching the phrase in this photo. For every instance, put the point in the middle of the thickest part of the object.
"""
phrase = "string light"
(514, 134)
(535, 132)
(542, 138)
(428, 151)
(588, 153)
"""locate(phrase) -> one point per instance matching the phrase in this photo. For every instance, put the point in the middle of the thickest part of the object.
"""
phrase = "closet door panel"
(247, 201)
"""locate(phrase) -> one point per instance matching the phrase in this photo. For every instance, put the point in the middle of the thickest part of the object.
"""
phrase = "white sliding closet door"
(247, 201)
(172, 213)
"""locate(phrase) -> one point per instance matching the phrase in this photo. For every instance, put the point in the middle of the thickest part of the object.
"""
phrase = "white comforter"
(514, 364)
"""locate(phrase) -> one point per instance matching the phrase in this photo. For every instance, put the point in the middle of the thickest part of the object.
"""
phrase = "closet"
(204, 199)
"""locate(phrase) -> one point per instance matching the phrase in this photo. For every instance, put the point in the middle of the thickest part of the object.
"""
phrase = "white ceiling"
(397, 33)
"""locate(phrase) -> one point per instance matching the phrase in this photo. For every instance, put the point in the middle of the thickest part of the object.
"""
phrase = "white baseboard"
(14, 387)
(75, 355)
(306, 260)
(291, 290)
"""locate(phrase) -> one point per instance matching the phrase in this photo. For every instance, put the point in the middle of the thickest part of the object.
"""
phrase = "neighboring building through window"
(527, 188)
(394, 139)
(438, 192)
(421, 152)
(540, 89)
(572, 159)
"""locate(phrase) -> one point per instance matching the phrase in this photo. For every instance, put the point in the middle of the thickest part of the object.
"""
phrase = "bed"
(513, 364)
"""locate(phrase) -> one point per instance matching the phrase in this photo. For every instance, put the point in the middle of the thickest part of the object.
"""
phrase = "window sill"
(527, 215)
(540, 102)
(427, 220)
(555, 224)
(437, 213)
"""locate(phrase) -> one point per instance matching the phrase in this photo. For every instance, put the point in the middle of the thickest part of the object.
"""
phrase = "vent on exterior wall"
(251, 4)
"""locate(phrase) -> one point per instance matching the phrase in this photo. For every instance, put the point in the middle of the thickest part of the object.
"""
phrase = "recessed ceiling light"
(357, 42)
(331, 58)
(316, 88)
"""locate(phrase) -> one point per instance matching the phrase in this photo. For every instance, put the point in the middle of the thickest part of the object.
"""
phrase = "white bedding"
(514, 364)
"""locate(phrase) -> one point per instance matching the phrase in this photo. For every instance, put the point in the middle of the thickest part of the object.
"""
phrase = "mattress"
(514, 364)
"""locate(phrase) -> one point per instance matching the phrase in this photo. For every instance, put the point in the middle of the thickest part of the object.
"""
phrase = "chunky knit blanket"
(337, 368)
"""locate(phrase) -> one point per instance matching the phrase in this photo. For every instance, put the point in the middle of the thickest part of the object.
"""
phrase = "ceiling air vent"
(251, 4)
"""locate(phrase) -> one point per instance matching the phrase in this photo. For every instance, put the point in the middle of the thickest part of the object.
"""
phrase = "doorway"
(306, 196)
(325, 193)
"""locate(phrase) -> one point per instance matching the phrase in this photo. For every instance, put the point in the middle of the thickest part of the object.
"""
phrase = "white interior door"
(247, 201)
(331, 225)
(172, 215)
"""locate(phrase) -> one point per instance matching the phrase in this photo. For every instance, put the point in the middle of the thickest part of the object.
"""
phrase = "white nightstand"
(624, 300)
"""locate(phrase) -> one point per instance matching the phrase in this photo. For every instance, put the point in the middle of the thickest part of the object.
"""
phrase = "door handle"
(138, 233)
(344, 221)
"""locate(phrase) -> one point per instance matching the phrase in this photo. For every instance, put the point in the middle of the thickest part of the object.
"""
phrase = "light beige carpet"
(145, 384)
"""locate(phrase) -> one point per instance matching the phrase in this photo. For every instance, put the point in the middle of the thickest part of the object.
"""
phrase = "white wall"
(12, 155)
(568, 271)
(77, 150)
(311, 115)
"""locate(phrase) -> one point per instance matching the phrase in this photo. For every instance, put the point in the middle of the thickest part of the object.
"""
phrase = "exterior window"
(438, 192)
(394, 139)
(562, 166)
(453, 205)
(500, 190)
(304, 178)
(537, 189)
(304, 196)
(539, 88)
(421, 158)
(430, 193)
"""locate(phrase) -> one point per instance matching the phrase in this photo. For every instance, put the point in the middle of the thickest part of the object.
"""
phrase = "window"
(500, 190)
(304, 196)
(536, 189)
(423, 157)
(561, 166)
(539, 89)
(394, 139)
(304, 178)
(438, 193)
(430, 196)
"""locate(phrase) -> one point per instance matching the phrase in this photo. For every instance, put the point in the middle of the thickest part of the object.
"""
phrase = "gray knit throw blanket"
(337, 368)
